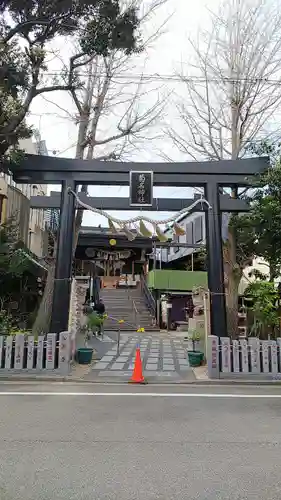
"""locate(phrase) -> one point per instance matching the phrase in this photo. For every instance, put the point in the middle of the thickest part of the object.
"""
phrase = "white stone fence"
(248, 358)
(45, 354)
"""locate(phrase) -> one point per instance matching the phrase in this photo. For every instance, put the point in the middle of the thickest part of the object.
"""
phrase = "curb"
(76, 380)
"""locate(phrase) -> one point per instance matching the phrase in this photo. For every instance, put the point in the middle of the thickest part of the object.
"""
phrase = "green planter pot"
(195, 358)
(84, 355)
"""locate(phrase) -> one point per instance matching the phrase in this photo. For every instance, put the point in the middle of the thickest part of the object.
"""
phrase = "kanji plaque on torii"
(141, 188)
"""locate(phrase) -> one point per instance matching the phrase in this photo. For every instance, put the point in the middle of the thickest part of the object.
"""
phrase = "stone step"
(130, 329)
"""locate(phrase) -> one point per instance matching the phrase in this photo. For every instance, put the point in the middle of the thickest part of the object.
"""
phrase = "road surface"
(101, 442)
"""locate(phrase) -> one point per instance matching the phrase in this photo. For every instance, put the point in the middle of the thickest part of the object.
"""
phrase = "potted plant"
(84, 354)
(195, 357)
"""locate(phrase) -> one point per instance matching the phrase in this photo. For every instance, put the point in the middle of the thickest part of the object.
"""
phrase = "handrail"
(136, 313)
(150, 300)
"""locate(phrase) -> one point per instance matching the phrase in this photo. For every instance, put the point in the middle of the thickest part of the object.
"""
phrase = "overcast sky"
(163, 59)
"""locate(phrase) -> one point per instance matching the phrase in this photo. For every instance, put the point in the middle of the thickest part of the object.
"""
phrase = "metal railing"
(136, 314)
(149, 299)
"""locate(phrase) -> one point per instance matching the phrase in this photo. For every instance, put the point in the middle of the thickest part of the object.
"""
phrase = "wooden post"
(133, 270)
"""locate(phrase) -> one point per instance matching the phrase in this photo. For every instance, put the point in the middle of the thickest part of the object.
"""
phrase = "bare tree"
(229, 96)
(115, 106)
(113, 119)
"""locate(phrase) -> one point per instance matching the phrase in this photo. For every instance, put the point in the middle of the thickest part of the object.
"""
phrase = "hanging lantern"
(160, 235)
(178, 230)
(144, 230)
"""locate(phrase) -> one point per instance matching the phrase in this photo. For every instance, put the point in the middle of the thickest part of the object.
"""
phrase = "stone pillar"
(63, 271)
(215, 262)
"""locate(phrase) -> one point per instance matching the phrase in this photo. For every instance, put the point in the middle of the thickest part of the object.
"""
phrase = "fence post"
(50, 355)
(30, 352)
(19, 351)
(235, 356)
(8, 352)
(265, 356)
(244, 356)
(274, 361)
(279, 353)
(64, 352)
(213, 356)
(254, 344)
(225, 354)
(1, 349)
(40, 351)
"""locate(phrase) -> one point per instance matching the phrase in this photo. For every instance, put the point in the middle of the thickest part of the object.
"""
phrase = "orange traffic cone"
(137, 377)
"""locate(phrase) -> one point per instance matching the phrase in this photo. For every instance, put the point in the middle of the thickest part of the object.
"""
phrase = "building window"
(1, 207)
(198, 230)
(189, 233)
(176, 240)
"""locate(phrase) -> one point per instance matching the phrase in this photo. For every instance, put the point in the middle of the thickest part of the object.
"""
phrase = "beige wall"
(35, 232)
(260, 265)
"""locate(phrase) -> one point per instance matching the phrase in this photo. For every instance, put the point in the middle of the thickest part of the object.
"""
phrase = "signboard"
(51, 347)
(141, 188)
(213, 356)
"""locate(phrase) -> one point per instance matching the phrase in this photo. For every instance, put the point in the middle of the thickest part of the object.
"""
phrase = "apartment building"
(194, 225)
(15, 203)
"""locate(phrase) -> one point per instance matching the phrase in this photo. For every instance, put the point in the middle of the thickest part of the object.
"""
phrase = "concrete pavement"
(109, 442)
(163, 357)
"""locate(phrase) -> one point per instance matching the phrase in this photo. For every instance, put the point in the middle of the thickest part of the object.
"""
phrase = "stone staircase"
(129, 305)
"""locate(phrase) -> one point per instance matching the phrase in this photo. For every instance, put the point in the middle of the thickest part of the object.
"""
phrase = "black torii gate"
(70, 173)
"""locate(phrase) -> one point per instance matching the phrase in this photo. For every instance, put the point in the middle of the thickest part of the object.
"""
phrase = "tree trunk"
(43, 318)
(234, 271)
(233, 274)
(233, 279)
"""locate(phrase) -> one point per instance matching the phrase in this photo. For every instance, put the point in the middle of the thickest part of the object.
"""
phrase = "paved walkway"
(161, 356)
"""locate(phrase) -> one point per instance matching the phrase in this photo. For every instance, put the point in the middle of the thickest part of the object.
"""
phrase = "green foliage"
(13, 82)
(266, 215)
(263, 300)
(258, 232)
(9, 324)
(13, 262)
(94, 321)
(6, 322)
(115, 31)
(194, 337)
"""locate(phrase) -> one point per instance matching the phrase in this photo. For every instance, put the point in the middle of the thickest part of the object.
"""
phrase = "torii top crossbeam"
(52, 170)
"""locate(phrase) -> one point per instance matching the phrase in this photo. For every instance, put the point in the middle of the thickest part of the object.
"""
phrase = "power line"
(178, 79)
(171, 78)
